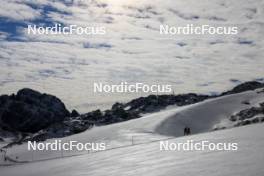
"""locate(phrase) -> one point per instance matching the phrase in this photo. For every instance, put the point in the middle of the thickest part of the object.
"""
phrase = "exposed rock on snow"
(154, 103)
(251, 85)
(249, 116)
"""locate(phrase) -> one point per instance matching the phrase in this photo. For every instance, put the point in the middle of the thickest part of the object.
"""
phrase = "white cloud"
(17, 11)
(63, 66)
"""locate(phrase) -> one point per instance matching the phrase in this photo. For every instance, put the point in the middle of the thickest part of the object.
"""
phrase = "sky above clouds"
(132, 50)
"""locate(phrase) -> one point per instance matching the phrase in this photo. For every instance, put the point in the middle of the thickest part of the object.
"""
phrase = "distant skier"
(187, 131)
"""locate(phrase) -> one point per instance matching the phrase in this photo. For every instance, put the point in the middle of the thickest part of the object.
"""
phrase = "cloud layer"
(132, 50)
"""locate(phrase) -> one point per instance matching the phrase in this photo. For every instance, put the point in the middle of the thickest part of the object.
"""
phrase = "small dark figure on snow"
(187, 131)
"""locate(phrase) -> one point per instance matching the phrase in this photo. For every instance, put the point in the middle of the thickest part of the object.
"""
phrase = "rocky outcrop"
(154, 103)
(116, 114)
(74, 113)
(251, 85)
(62, 129)
(30, 111)
(249, 116)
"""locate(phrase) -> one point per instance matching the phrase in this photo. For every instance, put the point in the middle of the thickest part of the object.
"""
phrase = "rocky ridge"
(37, 116)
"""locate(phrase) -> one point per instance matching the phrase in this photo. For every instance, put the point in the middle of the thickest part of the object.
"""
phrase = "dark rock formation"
(154, 103)
(249, 116)
(74, 113)
(30, 111)
(251, 85)
(92, 117)
(248, 113)
(114, 115)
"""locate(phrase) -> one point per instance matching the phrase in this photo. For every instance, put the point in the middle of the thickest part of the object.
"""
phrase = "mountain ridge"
(72, 123)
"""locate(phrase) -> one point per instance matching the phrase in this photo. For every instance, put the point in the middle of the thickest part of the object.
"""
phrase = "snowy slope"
(147, 160)
(200, 117)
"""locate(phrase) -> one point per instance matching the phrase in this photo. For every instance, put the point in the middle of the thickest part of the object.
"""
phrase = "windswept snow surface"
(148, 160)
(200, 117)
